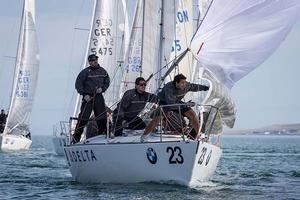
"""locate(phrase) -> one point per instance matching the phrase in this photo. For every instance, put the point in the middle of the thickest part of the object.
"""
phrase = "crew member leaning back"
(173, 93)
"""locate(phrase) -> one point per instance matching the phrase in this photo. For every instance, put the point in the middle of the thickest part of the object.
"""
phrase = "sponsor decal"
(86, 155)
(151, 155)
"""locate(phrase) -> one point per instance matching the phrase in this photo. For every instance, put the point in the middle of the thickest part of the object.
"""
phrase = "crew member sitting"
(131, 104)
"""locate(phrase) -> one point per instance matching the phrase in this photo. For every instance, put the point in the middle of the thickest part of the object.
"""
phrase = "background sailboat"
(16, 134)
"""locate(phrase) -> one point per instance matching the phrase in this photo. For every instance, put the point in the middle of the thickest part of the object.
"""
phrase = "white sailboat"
(175, 158)
(108, 38)
(16, 134)
(162, 157)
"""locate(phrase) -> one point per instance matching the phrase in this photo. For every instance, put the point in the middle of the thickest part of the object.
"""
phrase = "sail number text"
(175, 155)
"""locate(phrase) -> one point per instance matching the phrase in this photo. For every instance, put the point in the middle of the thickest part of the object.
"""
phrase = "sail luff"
(84, 64)
(106, 42)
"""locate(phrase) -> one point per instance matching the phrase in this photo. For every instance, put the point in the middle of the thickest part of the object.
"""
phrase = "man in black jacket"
(173, 93)
(131, 104)
(91, 83)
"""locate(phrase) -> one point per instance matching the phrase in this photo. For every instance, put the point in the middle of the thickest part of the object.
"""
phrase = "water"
(251, 167)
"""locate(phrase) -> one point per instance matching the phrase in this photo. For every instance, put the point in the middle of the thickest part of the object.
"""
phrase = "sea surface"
(251, 167)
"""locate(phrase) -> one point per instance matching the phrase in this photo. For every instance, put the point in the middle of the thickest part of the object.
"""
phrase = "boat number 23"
(175, 155)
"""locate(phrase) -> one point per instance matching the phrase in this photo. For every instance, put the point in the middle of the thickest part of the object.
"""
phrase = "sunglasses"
(143, 84)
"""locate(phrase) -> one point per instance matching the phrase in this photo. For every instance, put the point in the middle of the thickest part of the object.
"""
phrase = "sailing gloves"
(87, 98)
(99, 90)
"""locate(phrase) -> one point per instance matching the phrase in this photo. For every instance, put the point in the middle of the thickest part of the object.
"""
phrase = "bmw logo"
(151, 155)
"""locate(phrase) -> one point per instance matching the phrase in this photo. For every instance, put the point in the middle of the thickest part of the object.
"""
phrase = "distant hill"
(276, 129)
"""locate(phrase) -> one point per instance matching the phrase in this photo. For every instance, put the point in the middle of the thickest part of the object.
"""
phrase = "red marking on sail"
(200, 48)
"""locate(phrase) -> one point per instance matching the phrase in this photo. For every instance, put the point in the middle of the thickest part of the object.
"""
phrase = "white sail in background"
(143, 57)
(182, 39)
(133, 57)
(237, 36)
(150, 41)
(106, 41)
(26, 75)
(167, 31)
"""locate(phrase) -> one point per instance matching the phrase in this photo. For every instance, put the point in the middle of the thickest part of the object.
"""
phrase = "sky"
(268, 95)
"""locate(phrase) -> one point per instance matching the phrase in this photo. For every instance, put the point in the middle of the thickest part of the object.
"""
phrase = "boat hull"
(182, 162)
(14, 142)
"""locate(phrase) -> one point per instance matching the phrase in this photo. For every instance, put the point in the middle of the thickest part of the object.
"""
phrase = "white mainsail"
(107, 42)
(26, 75)
(142, 58)
(116, 27)
(237, 36)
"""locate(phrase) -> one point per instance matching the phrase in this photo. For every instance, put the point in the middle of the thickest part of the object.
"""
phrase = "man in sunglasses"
(173, 93)
(91, 83)
(131, 104)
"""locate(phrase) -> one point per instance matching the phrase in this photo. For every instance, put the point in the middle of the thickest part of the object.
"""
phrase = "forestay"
(181, 39)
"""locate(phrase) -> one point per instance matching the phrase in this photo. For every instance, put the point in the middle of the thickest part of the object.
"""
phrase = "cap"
(92, 57)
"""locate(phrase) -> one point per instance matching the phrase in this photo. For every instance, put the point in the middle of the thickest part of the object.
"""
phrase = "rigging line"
(10, 33)
(170, 62)
(15, 21)
(186, 41)
(129, 49)
(202, 19)
(66, 108)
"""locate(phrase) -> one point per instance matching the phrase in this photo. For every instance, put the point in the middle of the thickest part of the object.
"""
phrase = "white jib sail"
(26, 75)
(237, 36)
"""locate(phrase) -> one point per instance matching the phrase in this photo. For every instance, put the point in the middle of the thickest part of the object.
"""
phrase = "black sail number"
(176, 155)
(201, 158)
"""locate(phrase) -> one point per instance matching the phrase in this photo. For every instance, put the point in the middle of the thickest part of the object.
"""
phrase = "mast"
(161, 45)
(143, 25)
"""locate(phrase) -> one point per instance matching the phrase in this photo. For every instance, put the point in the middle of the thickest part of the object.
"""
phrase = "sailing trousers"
(97, 105)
